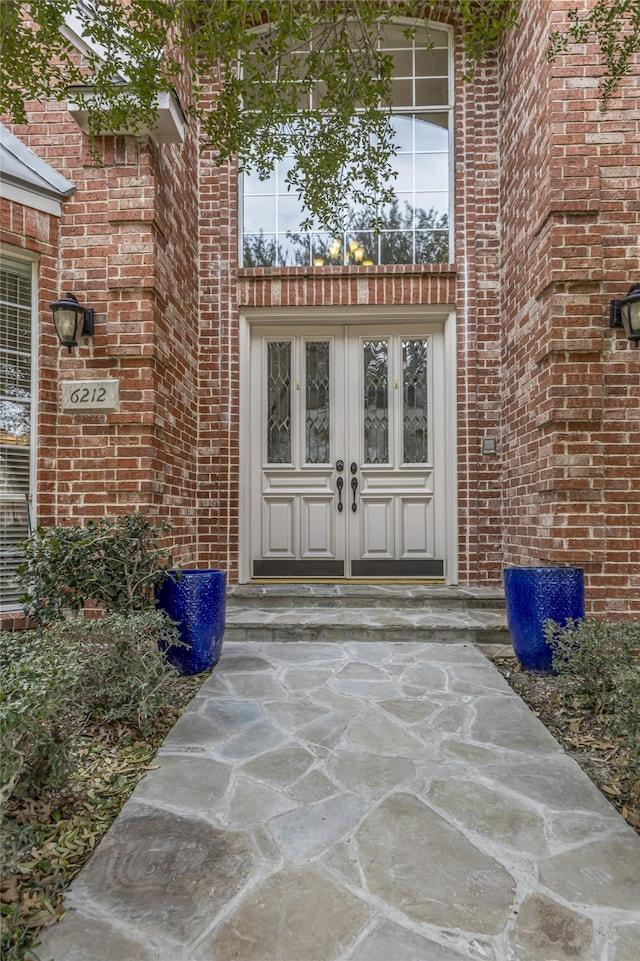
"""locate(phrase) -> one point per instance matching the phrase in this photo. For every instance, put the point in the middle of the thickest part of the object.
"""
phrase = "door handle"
(354, 488)
(340, 485)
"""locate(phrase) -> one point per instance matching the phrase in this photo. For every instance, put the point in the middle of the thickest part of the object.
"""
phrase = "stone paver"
(358, 802)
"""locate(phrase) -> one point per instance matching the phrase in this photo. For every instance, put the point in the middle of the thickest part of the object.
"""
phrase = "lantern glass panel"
(68, 324)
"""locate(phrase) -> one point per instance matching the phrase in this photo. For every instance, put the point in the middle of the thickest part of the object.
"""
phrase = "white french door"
(347, 452)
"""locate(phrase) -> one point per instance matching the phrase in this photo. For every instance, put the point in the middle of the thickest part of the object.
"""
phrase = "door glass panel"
(279, 403)
(415, 406)
(376, 401)
(317, 416)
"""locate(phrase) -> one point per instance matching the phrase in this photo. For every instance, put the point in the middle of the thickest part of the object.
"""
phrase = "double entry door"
(346, 451)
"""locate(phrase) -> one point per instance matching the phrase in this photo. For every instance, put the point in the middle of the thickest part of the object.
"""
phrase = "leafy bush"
(115, 562)
(109, 669)
(598, 664)
(39, 673)
(125, 676)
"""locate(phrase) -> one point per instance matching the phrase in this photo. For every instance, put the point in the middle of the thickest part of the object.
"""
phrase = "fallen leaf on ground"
(9, 891)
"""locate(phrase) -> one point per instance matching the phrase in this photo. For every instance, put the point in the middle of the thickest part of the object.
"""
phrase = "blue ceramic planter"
(534, 595)
(196, 600)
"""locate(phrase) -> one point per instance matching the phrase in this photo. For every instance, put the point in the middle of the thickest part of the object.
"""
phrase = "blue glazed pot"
(196, 600)
(534, 595)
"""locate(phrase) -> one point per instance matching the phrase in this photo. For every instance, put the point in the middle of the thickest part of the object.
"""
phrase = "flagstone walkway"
(358, 802)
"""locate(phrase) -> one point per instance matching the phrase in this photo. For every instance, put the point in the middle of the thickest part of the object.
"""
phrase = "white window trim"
(32, 259)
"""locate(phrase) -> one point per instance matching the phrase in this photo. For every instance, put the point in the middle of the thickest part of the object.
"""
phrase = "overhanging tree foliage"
(615, 26)
(313, 80)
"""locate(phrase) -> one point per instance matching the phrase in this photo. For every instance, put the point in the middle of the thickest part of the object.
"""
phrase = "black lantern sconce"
(626, 313)
(71, 320)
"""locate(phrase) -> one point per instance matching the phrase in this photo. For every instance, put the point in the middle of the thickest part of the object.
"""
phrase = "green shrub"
(110, 669)
(124, 674)
(598, 665)
(39, 673)
(115, 562)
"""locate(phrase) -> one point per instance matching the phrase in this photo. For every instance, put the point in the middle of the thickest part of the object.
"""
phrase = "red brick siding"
(127, 246)
(571, 387)
(478, 320)
(219, 409)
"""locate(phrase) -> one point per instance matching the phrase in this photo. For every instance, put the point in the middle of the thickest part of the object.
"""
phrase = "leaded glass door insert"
(346, 440)
(318, 402)
(375, 355)
(415, 401)
(279, 403)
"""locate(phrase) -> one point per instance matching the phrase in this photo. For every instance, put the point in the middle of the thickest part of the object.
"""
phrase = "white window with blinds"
(16, 434)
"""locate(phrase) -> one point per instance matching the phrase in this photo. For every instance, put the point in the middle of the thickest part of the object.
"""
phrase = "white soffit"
(169, 126)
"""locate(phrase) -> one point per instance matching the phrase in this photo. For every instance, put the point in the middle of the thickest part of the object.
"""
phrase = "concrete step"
(366, 612)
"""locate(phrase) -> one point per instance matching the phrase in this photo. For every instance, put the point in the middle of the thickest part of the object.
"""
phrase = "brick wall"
(126, 246)
(219, 409)
(478, 320)
(571, 387)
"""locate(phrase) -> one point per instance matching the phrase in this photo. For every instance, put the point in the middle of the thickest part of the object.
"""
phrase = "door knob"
(339, 466)
(354, 467)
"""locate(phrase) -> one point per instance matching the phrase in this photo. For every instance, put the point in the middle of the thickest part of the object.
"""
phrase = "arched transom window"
(415, 228)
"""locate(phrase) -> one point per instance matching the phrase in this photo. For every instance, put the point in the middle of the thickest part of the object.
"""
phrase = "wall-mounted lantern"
(71, 320)
(626, 313)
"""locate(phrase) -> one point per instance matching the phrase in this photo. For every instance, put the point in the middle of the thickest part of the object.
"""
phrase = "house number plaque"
(101, 396)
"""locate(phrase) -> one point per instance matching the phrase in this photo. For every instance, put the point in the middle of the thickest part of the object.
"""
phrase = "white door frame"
(300, 318)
